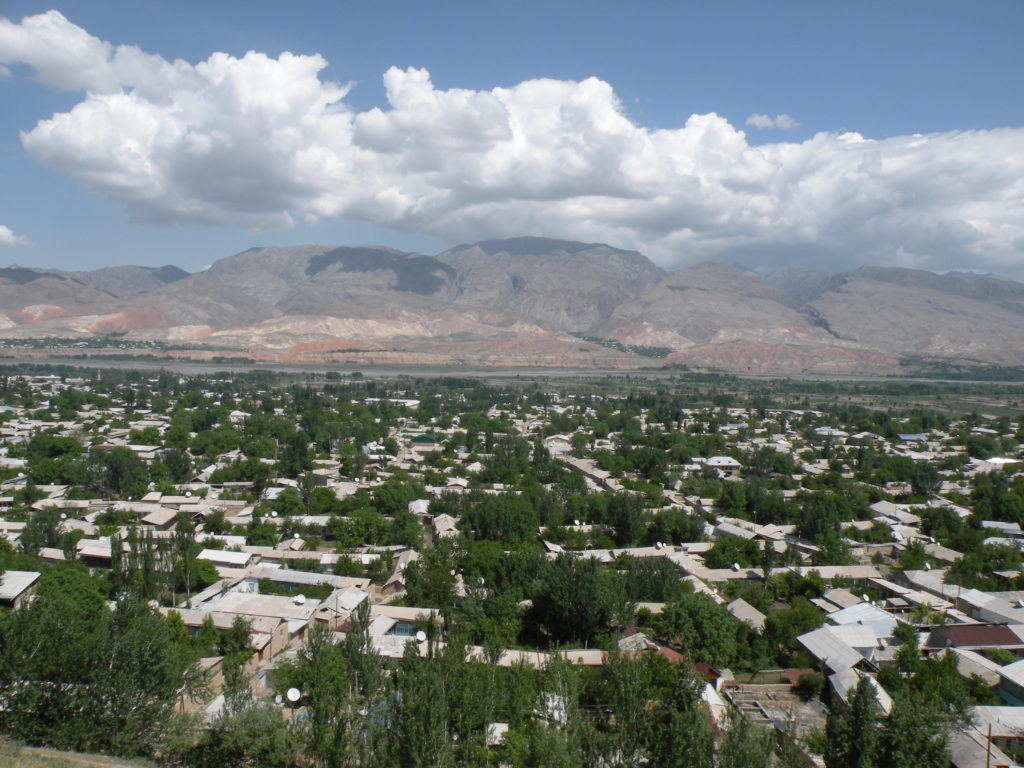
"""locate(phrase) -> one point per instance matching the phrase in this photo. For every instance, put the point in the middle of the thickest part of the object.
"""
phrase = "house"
(15, 586)
(726, 465)
(882, 624)
(1011, 684)
(975, 636)
(223, 558)
(747, 613)
(831, 649)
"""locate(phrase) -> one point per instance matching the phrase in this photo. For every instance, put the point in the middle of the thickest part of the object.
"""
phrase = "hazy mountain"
(530, 301)
(124, 281)
(559, 284)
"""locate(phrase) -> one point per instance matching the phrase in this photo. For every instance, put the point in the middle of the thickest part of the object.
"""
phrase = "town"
(336, 569)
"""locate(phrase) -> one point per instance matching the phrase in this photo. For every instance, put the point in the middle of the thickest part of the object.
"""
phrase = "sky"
(762, 133)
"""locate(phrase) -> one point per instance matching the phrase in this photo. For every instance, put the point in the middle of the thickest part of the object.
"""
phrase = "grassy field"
(15, 755)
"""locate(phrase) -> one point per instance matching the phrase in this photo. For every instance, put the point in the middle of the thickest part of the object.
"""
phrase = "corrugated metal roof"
(974, 636)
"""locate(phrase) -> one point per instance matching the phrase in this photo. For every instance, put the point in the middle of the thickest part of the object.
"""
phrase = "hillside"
(528, 301)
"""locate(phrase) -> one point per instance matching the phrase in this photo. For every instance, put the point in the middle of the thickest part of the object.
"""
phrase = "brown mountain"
(529, 301)
(565, 285)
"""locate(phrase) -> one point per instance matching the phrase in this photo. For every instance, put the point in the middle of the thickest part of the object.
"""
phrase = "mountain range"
(526, 301)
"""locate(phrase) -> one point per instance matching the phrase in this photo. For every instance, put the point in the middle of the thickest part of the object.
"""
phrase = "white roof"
(857, 636)
(882, 624)
(746, 613)
(226, 556)
(830, 649)
(722, 461)
(14, 583)
(1013, 672)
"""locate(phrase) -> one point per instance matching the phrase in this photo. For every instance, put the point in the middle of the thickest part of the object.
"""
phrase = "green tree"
(680, 735)
(917, 734)
(853, 737)
(574, 599)
(745, 745)
(701, 628)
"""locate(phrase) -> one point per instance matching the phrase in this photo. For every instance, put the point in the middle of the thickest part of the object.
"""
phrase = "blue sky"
(616, 158)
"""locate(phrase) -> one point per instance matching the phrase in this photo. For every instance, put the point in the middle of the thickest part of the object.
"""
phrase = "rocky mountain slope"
(527, 301)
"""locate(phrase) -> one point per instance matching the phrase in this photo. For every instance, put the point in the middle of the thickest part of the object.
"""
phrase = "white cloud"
(259, 142)
(783, 122)
(9, 240)
(4, 71)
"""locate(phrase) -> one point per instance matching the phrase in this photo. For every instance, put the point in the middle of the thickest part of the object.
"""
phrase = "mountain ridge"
(527, 301)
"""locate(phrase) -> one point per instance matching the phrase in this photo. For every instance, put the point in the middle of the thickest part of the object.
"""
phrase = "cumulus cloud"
(783, 121)
(258, 142)
(9, 240)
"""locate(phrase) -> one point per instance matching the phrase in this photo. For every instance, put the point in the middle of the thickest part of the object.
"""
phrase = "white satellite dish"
(273, 513)
(735, 566)
(575, 522)
(295, 535)
(927, 567)
(293, 695)
(865, 598)
(188, 494)
(658, 545)
(299, 599)
(279, 699)
(421, 636)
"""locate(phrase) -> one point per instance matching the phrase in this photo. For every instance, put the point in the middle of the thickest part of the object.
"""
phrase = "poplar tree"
(853, 736)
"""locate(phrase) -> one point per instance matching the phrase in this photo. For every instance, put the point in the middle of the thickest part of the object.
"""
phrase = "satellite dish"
(865, 598)
(736, 566)
(279, 699)
(421, 636)
(273, 513)
(658, 545)
(293, 695)
(295, 535)
(188, 494)
(299, 599)
(927, 567)
(575, 522)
